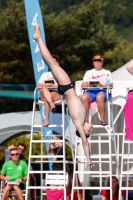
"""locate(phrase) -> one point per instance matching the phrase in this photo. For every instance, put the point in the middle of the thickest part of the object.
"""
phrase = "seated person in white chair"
(48, 95)
(99, 95)
(14, 170)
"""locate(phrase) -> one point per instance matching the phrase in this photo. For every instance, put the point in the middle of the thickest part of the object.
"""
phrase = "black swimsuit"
(63, 88)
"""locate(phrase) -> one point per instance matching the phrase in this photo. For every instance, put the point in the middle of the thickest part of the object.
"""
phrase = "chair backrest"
(56, 179)
(78, 88)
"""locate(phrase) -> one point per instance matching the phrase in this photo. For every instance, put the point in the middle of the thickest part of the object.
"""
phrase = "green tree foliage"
(58, 5)
(15, 58)
(119, 13)
(36, 148)
(76, 34)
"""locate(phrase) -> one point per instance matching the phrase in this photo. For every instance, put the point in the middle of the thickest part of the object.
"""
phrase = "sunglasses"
(97, 60)
(14, 154)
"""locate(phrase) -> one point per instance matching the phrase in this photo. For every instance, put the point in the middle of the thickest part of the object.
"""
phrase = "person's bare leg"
(47, 96)
(18, 192)
(47, 112)
(6, 192)
(55, 97)
(57, 71)
(101, 105)
(86, 99)
(47, 109)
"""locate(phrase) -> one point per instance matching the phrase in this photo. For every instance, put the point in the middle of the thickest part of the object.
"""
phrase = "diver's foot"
(45, 123)
(37, 32)
(88, 128)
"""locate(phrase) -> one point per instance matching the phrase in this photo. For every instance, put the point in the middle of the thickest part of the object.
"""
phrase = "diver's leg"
(58, 72)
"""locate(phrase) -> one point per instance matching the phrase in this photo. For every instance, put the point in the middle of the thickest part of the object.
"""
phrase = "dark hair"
(69, 185)
(117, 188)
(56, 57)
(14, 149)
(22, 144)
(59, 137)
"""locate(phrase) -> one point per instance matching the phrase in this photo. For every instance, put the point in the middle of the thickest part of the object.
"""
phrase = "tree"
(76, 34)
(36, 148)
(15, 58)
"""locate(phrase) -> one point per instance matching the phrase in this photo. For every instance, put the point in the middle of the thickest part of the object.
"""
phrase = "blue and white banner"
(33, 16)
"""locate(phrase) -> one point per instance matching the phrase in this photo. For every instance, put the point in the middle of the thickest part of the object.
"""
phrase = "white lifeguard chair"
(40, 158)
(106, 138)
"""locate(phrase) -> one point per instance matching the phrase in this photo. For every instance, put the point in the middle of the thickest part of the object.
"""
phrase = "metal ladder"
(41, 157)
(99, 158)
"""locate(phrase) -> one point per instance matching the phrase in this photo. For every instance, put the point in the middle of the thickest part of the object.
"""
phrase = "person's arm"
(85, 85)
(4, 178)
(52, 154)
(111, 85)
(39, 85)
(3, 173)
(129, 67)
(85, 82)
(104, 194)
(20, 180)
(47, 85)
(103, 198)
(49, 147)
(25, 178)
(50, 85)
(51, 151)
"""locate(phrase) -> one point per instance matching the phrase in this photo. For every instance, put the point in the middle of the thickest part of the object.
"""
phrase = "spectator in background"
(49, 93)
(56, 148)
(14, 170)
(130, 192)
(128, 108)
(21, 148)
(115, 190)
(99, 95)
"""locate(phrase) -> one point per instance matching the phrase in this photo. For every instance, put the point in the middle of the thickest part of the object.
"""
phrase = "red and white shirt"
(94, 75)
(45, 77)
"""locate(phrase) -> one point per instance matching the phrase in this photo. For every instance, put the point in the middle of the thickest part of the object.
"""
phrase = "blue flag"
(33, 16)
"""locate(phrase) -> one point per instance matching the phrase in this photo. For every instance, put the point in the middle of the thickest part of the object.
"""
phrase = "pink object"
(93, 105)
(128, 115)
(55, 194)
